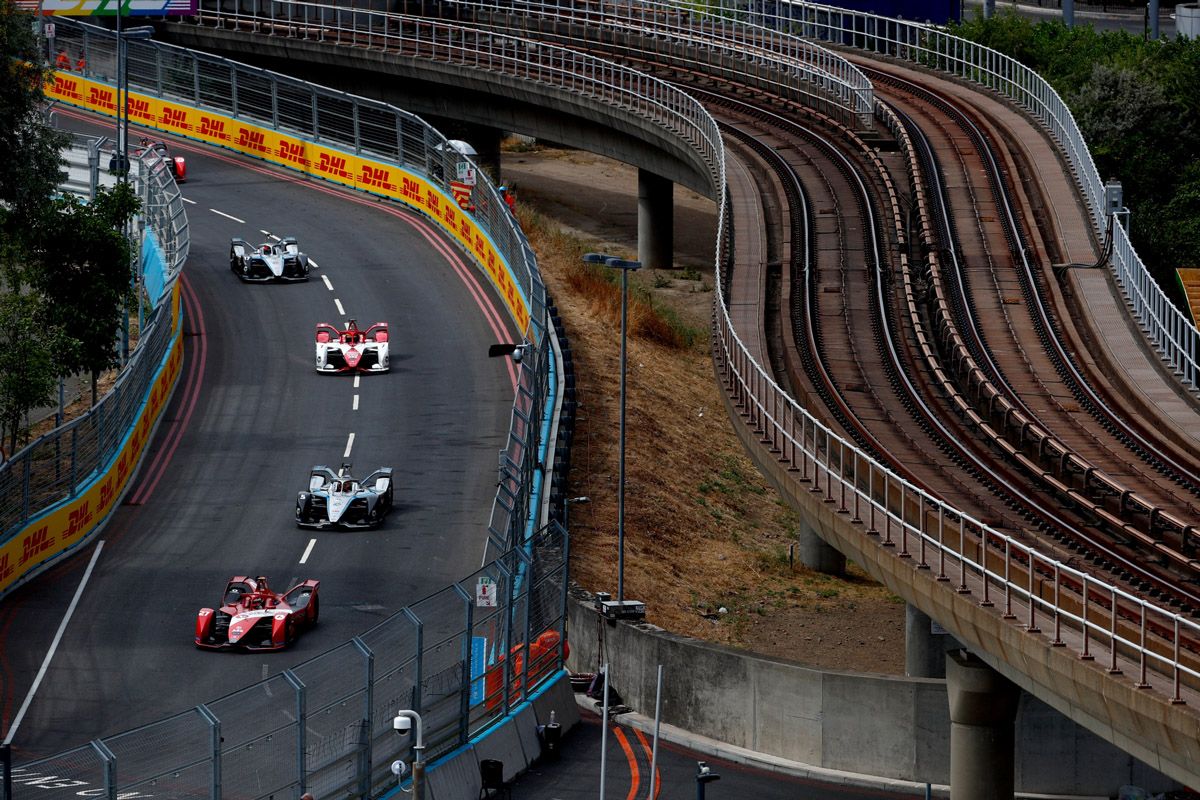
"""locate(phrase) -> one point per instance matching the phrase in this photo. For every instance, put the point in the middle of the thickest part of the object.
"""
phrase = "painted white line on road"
(184, 199)
(308, 551)
(349, 446)
(325, 278)
(338, 303)
(268, 234)
(356, 402)
(16, 723)
(313, 264)
(227, 216)
(357, 378)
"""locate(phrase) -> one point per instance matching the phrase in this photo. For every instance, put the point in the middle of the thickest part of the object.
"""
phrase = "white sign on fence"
(485, 593)
(466, 173)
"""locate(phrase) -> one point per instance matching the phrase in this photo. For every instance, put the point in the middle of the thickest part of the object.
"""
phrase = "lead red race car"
(253, 617)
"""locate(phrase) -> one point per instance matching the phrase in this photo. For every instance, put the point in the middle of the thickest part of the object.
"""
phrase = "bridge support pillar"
(924, 650)
(816, 554)
(656, 221)
(983, 710)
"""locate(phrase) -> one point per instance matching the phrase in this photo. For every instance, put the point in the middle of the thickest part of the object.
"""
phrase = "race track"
(250, 416)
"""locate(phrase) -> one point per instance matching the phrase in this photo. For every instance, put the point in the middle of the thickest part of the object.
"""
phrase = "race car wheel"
(289, 633)
(314, 610)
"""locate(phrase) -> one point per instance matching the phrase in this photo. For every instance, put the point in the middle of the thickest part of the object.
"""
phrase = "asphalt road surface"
(250, 417)
(576, 775)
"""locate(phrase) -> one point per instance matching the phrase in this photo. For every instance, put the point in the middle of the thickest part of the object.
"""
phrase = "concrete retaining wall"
(892, 727)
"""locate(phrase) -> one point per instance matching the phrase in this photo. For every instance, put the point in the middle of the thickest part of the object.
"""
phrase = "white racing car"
(270, 261)
(352, 350)
(339, 500)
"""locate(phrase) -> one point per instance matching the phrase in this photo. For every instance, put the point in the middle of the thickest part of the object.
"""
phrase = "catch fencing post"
(562, 623)
(214, 725)
(364, 778)
(110, 768)
(418, 690)
(464, 710)
(301, 728)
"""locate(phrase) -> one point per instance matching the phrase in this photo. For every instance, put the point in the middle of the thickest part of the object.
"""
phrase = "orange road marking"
(636, 776)
(656, 778)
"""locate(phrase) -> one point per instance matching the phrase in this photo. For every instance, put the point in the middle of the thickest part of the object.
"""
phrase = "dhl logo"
(410, 189)
(67, 87)
(293, 152)
(106, 495)
(174, 118)
(36, 543)
(252, 140)
(378, 178)
(99, 97)
(213, 128)
(139, 109)
(80, 519)
(6, 568)
(332, 165)
(123, 467)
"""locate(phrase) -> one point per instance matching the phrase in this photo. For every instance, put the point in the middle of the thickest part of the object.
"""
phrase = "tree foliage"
(85, 275)
(64, 266)
(1136, 103)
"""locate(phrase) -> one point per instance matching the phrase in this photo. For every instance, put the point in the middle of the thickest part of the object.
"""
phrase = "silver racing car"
(339, 500)
(270, 261)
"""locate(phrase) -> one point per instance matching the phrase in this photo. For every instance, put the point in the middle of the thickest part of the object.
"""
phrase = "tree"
(28, 376)
(85, 274)
(29, 174)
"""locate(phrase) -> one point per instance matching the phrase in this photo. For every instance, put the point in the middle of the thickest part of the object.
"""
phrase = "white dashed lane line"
(325, 278)
(349, 446)
(356, 402)
(227, 216)
(308, 551)
(189, 202)
(268, 234)
(357, 378)
(338, 303)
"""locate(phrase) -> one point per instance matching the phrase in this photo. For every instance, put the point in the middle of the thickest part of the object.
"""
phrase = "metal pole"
(654, 749)
(301, 728)
(604, 733)
(621, 467)
(6, 764)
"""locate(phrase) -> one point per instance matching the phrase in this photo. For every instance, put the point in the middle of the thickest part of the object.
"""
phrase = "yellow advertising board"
(312, 159)
(70, 524)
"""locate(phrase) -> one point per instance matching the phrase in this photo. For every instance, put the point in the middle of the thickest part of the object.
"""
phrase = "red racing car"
(252, 617)
(177, 164)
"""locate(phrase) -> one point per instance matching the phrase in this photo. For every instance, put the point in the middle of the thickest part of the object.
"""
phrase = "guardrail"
(46, 487)
(325, 725)
(1136, 635)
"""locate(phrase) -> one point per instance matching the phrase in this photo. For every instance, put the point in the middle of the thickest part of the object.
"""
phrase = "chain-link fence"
(57, 466)
(461, 658)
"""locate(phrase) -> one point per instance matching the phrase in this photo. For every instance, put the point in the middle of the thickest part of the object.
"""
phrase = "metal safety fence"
(54, 468)
(461, 658)
(374, 130)
(1137, 636)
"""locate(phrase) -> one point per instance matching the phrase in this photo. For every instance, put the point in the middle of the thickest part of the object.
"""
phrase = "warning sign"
(466, 173)
(485, 593)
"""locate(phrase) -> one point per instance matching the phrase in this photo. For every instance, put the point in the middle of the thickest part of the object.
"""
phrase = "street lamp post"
(626, 267)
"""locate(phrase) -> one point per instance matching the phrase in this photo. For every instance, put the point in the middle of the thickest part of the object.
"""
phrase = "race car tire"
(315, 610)
(289, 632)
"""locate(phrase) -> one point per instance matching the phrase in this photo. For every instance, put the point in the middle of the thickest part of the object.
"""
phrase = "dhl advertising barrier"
(318, 160)
(69, 524)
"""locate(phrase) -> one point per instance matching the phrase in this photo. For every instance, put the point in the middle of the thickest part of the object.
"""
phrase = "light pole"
(626, 267)
(402, 723)
(141, 33)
